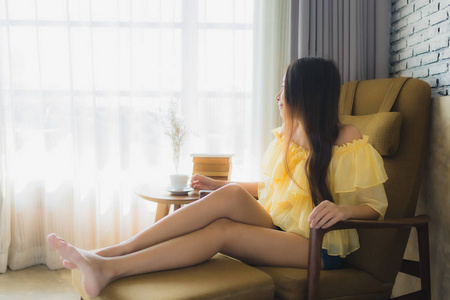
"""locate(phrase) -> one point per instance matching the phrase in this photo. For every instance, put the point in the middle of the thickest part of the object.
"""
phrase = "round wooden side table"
(164, 199)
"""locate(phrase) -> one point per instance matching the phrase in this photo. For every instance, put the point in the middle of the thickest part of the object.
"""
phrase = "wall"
(420, 48)
(434, 201)
(420, 31)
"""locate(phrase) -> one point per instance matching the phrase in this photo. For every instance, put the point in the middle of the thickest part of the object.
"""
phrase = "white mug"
(178, 182)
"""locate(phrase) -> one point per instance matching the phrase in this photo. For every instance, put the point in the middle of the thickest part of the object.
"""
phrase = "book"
(211, 167)
(213, 174)
(214, 166)
(211, 160)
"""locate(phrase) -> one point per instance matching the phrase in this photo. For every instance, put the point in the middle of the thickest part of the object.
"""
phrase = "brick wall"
(420, 31)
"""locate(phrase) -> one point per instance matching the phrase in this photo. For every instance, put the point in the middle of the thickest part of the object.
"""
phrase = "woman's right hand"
(200, 182)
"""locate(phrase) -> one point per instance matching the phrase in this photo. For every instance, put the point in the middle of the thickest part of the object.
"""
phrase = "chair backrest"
(382, 251)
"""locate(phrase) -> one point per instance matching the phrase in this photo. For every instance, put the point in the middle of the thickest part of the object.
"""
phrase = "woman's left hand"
(327, 214)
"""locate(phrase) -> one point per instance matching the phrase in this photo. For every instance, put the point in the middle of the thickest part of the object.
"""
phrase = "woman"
(316, 173)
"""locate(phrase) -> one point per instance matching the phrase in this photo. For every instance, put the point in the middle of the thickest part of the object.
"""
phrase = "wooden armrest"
(316, 238)
(416, 221)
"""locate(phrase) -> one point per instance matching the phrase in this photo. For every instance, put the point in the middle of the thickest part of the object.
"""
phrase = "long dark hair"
(312, 88)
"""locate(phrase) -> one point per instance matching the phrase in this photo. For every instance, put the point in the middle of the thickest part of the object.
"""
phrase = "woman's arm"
(200, 182)
(328, 213)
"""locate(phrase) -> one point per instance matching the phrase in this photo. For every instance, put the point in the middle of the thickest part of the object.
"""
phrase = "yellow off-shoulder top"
(355, 176)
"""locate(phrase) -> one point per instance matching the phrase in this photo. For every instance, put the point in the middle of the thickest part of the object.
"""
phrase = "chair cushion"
(382, 128)
(348, 284)
(219, 278)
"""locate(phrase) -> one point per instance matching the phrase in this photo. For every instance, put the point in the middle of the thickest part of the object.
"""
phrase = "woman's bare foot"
(95, 277)
(105, 252)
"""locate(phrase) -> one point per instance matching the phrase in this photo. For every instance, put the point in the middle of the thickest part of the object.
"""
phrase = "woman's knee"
(220, 226)
(225, 197)
(233, 188)
(235, 194)
(221, 231)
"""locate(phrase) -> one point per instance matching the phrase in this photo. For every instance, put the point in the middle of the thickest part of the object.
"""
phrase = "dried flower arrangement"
(177, 131)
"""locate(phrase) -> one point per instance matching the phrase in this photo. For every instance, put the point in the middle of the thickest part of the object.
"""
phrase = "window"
(83, 86)
(85, 82)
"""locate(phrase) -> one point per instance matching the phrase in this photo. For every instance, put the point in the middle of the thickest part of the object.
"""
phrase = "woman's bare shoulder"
(347, 134)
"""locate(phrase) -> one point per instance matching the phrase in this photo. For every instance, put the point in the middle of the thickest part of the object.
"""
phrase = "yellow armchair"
(394, 112)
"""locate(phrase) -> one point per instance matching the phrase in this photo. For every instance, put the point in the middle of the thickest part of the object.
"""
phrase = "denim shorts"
(331, 262)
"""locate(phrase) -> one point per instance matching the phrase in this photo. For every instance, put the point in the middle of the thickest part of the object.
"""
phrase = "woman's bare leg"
(251, 244)
(231, 202)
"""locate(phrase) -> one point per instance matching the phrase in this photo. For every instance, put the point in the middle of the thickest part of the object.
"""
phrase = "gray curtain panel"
(354, 33)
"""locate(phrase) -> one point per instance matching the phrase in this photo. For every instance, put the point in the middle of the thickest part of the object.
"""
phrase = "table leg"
(161, 211)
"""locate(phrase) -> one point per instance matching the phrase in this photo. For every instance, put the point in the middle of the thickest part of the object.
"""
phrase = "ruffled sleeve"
(356, 176)
(289, 204)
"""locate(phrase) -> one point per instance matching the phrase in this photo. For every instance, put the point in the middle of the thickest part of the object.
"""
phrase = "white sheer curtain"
(83, 84)
(354, 33)
(272, 57)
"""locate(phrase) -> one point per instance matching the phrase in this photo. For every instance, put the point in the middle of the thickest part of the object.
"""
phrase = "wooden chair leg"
(314, 263)
(424, 256)
(420, 269)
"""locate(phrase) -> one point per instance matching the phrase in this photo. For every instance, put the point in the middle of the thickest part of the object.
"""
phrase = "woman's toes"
(69, 265)
(53, 240)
